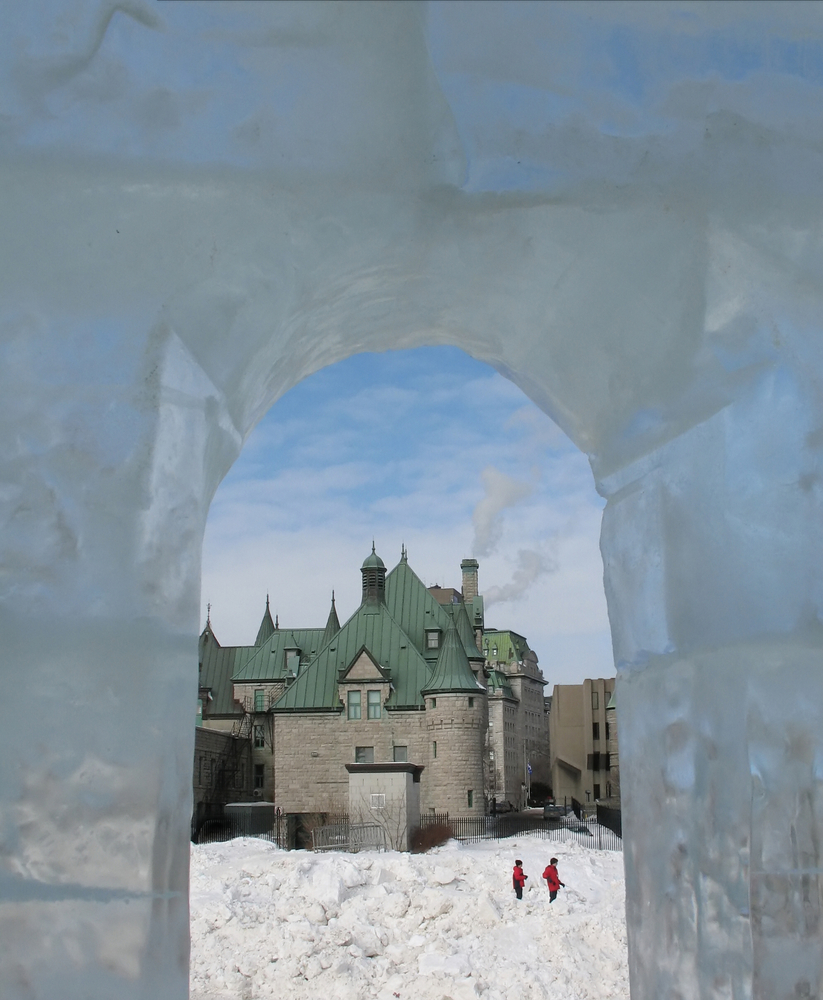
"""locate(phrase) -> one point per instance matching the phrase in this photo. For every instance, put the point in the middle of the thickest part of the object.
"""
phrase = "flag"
(529, 767)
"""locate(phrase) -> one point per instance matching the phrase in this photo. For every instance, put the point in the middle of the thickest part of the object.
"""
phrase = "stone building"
(403, 680)
(518, 724)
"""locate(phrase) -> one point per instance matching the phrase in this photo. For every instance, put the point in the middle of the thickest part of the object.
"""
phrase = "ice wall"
(616, 205)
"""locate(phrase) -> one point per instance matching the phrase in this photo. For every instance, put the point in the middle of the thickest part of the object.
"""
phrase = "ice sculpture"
(615, 205)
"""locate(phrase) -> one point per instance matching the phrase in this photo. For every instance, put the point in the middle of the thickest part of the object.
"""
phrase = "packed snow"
(438, 926)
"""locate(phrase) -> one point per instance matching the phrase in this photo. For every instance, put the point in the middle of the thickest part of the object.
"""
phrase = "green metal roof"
(460, 616)
(412, 606)
(510, 645)
(452, 672)
(268, 662)
(373, 560)
(498, 681)
(217, 665)
(374, 630)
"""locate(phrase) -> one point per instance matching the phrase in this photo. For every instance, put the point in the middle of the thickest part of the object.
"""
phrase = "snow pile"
(268, 923)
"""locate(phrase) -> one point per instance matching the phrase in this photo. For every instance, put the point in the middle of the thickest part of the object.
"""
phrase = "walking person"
(518, 878)
(552, 879)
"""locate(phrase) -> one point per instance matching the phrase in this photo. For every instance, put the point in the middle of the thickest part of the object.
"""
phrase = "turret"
(456, 718)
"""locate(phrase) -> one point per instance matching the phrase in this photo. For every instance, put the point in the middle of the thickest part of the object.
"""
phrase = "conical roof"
(332, 623)
(266, 629)
(452, 672)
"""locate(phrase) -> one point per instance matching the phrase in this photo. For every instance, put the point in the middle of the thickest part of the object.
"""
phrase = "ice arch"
(616, 206)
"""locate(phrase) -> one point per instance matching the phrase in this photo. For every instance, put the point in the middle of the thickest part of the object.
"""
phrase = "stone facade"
(402, 681)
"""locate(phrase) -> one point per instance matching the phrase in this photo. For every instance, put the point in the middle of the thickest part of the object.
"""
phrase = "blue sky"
(432, 449)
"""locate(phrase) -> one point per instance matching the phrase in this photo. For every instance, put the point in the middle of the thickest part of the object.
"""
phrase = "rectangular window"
(596, 793)
(432, 639)
(259, 700)
(259, 736)
(259, 775)
(374, 707)
(401, 755)
(377, 800)
(471, 702)
(364, 755)
(595, 702)
(434, 749)
(434, 703)
(595, 730)
(470, 798)
(607, 730)
(354, 705)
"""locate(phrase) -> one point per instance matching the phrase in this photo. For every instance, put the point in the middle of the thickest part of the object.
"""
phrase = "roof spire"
(208, 615)
(266, 626)
(332, 623)
(277, 622)
(404, 552)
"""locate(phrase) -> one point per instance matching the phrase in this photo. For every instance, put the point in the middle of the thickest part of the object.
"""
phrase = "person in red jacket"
(553, 879)
(518, 878)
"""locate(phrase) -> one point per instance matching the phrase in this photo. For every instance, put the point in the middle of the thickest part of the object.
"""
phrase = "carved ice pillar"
(103, 510)
(712, 551)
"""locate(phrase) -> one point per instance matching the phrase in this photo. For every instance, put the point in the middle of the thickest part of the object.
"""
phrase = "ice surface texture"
(616, 206)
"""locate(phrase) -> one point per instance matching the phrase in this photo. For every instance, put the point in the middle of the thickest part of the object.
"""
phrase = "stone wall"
(311, 751)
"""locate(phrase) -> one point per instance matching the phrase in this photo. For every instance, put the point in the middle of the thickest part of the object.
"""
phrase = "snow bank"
(267, 923)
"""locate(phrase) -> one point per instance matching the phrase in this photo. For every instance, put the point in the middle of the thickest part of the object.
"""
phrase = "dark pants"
(518, 891)
(552, 895)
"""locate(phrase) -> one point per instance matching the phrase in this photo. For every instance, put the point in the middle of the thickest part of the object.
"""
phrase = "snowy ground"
(438, 926)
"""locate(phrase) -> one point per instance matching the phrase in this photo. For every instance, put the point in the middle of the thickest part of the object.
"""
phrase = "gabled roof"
(413, 607)
(268, 662)
(452, 672)
(266, 626)
(316, 689)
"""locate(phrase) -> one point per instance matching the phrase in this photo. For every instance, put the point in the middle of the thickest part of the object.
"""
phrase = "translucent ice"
(615, 205)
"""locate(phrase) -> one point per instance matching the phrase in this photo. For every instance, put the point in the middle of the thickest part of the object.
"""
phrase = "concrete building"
(579, 733)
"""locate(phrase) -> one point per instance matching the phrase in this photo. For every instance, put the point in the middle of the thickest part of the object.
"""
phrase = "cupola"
(374, 579)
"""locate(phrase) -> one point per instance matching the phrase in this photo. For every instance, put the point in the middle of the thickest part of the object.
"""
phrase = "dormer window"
(293, 662)
(432, 638)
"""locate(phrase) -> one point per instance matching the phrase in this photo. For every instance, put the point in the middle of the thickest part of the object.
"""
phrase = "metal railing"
(351, 837)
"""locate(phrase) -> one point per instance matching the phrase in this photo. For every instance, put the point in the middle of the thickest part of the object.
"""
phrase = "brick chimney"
(469, 568)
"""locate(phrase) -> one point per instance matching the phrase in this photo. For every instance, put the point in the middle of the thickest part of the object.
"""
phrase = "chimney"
(469, 568)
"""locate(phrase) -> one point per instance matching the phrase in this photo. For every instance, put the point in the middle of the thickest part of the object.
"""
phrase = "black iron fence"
(274, 827)
(602, 834)
(611, 818)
